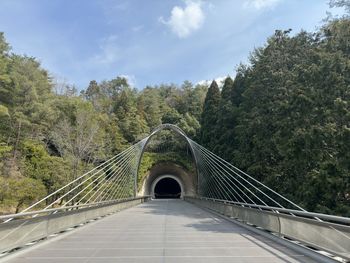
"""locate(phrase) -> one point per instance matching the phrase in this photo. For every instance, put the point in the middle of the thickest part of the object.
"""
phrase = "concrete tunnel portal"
(168, 180)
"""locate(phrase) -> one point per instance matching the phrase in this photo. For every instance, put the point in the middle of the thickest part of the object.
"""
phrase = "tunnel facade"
(168, 180)
(185, 179)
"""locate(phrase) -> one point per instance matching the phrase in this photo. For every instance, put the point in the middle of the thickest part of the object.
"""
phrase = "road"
(166, 231)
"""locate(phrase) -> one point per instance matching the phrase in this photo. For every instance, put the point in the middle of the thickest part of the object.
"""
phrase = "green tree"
(79, 138)
(4, 76)
(209, 115)
(19, 192)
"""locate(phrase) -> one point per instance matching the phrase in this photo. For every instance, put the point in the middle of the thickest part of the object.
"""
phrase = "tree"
(172, 116)
(151, 107)
(52, 171)
(209, 115)
(20, 192)
(4, 76)
(189, 125)
(225, 121)
(80, 137)
(340, 3)
(284, 119)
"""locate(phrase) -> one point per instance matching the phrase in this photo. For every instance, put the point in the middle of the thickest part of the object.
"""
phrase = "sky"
(149, 42)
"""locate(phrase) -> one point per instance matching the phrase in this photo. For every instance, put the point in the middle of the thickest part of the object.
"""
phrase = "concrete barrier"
(333, 237)
(18, 232)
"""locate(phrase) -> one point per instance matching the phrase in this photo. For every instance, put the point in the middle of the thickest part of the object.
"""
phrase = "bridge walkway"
(159, 231)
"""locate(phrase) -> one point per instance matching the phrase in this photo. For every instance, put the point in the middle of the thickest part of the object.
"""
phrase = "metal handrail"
(52, 210)
(310, 215)
(304, 227)
(28, 228)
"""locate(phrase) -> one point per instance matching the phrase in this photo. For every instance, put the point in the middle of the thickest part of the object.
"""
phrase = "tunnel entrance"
(167, 188)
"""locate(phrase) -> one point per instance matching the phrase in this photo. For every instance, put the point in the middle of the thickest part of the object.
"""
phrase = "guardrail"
(31, 226)
(324, 232)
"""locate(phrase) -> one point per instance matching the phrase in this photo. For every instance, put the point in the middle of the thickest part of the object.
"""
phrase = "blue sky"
(151, 42)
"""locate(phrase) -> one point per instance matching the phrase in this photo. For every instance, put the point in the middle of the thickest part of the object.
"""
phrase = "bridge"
(216, 213)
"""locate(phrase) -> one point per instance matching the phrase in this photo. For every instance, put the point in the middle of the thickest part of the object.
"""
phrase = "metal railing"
(323, 232)
(31, 226)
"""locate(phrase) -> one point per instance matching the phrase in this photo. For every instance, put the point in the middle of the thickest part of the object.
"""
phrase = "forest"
(283, 117)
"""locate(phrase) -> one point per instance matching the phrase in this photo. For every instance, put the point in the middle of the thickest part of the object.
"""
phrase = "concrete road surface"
(159, 231)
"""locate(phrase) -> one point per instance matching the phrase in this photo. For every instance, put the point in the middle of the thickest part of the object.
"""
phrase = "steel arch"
(161, 127)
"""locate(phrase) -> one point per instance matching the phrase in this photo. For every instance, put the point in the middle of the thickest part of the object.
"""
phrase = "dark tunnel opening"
(167, 188)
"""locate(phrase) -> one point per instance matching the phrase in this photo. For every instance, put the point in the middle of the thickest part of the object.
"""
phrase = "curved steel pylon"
(146, 140)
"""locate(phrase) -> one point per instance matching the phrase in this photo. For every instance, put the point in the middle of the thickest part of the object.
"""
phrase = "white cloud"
(109, 51)
(261, 4)
(184, 21)
(219, 80)
(130, 78)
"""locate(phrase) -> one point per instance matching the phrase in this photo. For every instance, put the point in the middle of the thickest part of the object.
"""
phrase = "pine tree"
(209, 116)
(225, 121)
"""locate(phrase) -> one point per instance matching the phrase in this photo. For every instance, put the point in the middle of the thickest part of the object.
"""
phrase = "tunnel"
(167, 188)
(153, 181)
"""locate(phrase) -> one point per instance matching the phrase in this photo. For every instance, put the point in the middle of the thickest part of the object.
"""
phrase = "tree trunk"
(20, 203)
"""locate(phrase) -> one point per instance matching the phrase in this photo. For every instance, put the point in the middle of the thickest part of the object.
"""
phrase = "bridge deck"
(160, 231)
